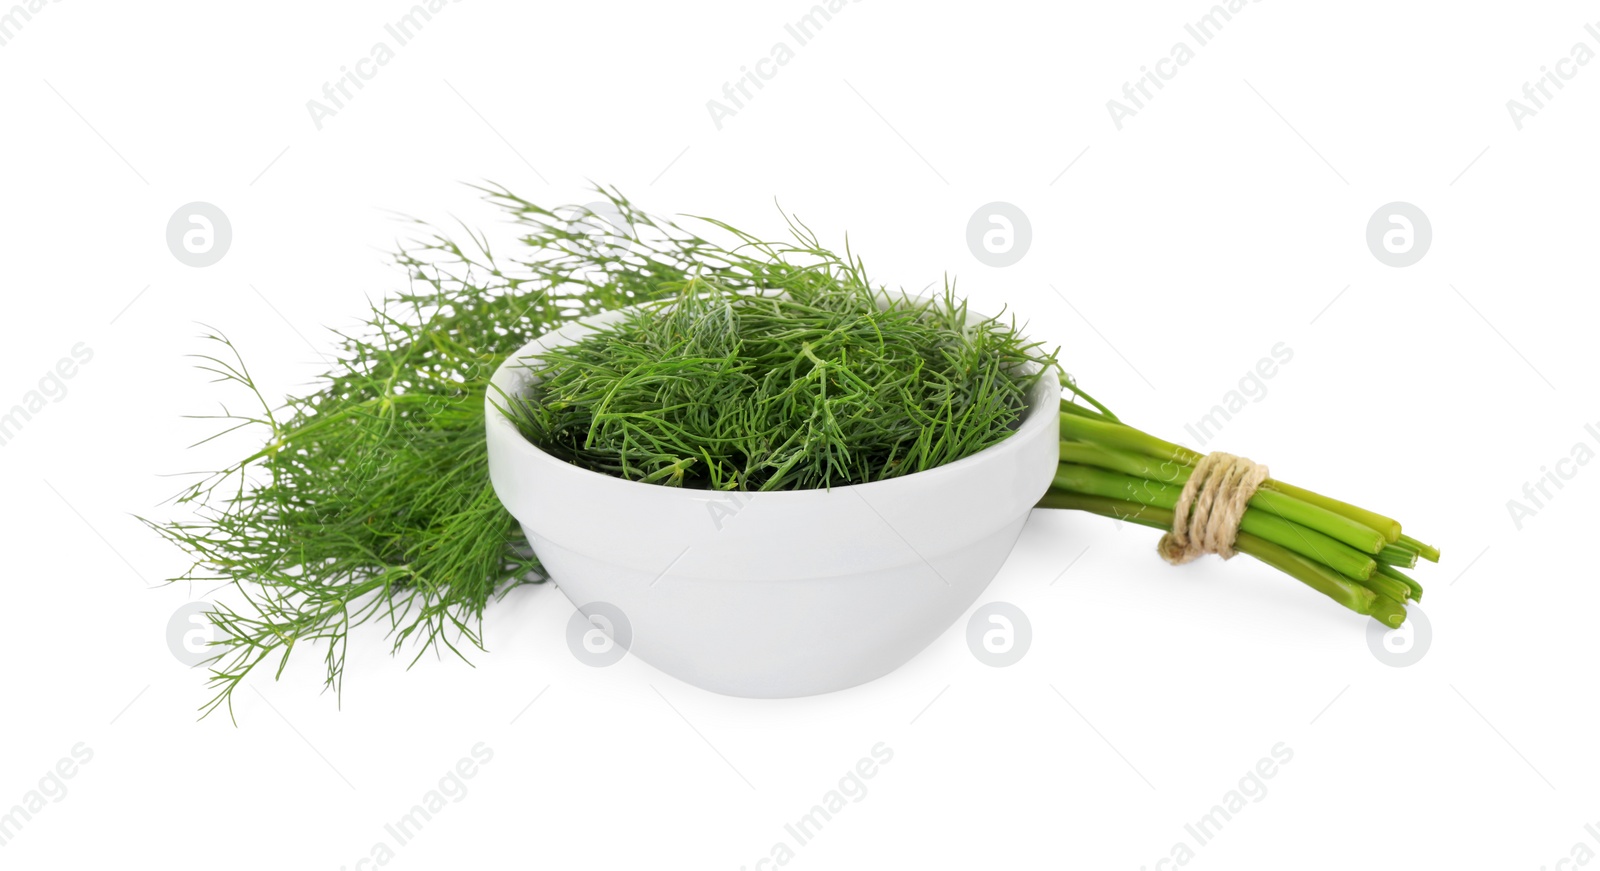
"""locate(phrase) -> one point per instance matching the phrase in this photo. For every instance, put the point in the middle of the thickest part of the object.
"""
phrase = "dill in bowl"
(825, 383)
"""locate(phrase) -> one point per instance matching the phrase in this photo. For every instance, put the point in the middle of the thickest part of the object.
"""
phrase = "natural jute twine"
(1217, 492)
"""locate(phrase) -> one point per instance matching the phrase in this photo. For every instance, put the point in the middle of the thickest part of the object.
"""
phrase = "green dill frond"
(819, 381)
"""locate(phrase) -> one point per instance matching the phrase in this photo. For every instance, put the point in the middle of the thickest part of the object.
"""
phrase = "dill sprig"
(369, 498)
(822, 381)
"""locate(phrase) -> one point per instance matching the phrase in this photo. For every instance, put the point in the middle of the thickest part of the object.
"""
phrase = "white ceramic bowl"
(780, 594)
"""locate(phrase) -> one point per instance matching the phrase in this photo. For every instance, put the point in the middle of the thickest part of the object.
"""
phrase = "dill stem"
(1318, 577)
(1428, 552)
(1119, 435)
(1302, 540)
(1397, 555)
(1110, 468)
(1414, 588)
(1336, 526)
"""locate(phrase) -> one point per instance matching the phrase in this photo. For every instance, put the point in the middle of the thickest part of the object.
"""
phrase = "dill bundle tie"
(1217, 492)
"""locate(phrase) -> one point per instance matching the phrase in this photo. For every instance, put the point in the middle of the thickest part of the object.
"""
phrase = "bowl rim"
(1043, 406)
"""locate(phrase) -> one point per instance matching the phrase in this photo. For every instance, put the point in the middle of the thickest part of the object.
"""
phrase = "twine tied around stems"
(1217, 492)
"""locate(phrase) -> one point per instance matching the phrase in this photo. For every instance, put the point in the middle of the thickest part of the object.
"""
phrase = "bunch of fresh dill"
(368, 499)
(825, 381)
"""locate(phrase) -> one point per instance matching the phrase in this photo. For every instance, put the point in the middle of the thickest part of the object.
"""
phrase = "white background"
(1225, 217)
